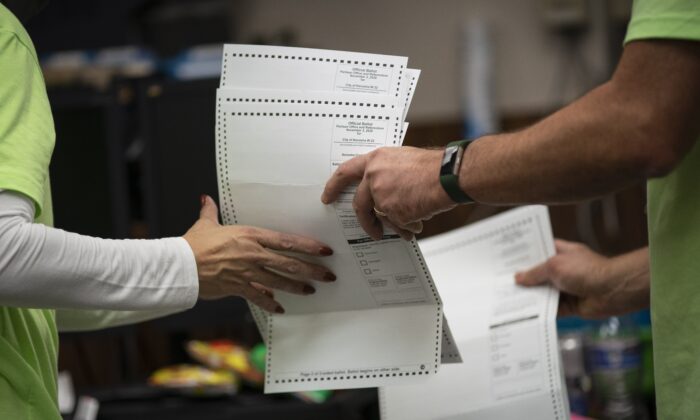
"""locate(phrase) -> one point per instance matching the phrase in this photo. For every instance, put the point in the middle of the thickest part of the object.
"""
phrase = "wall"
(527, 56)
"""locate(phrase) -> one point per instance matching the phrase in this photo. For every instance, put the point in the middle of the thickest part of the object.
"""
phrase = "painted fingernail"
(329, 277)
(325, 251)
(308, 290)
(279, 310)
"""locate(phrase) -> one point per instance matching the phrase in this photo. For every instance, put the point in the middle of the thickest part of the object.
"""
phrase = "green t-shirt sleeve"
(26, 127)
(664, 19)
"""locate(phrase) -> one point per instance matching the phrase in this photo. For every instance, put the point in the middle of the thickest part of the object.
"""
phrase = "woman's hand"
(238, 260)
(591, 285)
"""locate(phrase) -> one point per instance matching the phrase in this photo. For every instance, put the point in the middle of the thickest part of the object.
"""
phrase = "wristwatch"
(449, 171)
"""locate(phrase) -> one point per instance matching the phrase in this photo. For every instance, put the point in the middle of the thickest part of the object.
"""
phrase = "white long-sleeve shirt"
(92, 282)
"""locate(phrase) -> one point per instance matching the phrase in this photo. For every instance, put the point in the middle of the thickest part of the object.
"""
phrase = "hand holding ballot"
(239, 260)
(592, 285)
(398, 187)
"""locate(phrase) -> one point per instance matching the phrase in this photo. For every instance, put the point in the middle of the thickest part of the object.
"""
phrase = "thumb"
(563, 246)
(209, 211)
(535, 276)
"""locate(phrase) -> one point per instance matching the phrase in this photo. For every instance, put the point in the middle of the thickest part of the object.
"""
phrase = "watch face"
(449, 159)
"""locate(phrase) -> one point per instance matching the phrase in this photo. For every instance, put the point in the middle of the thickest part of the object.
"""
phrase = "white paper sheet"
(506, 333)
(286, 118)
(381, 284)
(264, 199)
(312, 70)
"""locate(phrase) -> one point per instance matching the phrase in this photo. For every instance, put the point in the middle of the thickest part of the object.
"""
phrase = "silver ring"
(378, 212)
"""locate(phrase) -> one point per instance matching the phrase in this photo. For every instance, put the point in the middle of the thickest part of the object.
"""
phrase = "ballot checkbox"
(359, 254)
(367, 271)
(363, 263)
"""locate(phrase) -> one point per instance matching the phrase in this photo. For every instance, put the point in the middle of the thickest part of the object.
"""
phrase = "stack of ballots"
(286, 119)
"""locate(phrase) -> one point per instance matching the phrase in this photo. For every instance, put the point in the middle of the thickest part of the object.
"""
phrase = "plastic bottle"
(613, 355)
(577, 380)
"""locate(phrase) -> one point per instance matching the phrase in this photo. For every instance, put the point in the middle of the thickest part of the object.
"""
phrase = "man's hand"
(398, 187)
(239, 260)
(591, 285)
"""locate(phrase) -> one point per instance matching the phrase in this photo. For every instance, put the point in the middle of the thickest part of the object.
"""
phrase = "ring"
(378, 212)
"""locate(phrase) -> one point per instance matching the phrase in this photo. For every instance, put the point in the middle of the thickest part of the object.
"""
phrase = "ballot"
(505, 333)
(286, 119)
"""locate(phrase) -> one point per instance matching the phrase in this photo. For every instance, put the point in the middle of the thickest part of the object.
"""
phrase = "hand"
(239, 261)
(591, 285)
(401, 183)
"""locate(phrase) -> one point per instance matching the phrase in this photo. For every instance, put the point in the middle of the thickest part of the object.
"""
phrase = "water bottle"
(576, 378)
(613, 355)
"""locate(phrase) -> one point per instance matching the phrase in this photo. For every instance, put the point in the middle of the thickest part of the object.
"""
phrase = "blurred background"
(132, 86)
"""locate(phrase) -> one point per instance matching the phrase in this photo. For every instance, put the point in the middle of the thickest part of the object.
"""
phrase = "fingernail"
(323, 199)
(329, 277)
(325, 251)
(279, 310)
(202, 199)
(308, 290)
(518, 277)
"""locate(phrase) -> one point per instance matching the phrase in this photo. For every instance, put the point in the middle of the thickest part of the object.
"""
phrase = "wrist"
(629, 272)
(189, 272)
(450, 171)
(465, 168)
(605, 274)
(626, 290)
(437, 192)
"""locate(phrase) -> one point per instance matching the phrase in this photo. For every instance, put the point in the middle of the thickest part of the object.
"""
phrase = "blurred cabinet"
(179, 162)
(88, 168)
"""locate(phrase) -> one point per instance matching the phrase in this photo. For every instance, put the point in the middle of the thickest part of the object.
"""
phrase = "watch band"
(449, 171)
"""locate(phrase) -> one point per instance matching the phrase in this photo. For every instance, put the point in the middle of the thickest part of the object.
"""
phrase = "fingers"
(297, 268)
(405, 234)
(364, 208)
(415, 227)
(293, 243)
(257, 296)
(540, 275)
(273, 280)
(568, 305)
(262, 289)
(536, 276)
(562, 246)
(209, 210)
(349, 172)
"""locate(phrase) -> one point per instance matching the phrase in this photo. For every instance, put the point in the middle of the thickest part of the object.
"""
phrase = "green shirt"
(28, 337)
(674, 238)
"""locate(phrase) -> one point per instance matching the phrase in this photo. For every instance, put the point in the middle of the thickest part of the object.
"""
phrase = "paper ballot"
(505, 333)
(286, 119)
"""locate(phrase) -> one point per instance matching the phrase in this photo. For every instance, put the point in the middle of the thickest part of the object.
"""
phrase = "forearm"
(629, 281)
(638, 125)
(43, 267)
(585, 150)
(85, 320)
